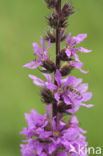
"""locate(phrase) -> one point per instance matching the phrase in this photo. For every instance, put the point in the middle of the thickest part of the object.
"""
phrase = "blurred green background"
(21, 23)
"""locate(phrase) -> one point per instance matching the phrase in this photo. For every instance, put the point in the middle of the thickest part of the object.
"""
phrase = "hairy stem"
(58, 8)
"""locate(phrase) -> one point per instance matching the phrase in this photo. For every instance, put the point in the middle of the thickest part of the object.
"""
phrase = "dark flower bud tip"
(60, 20)
(53, 20)
(62, 107)
(51, 3)
(66, 69)
(67, 10)
(49, 65)
(47, 96)
(51, 35)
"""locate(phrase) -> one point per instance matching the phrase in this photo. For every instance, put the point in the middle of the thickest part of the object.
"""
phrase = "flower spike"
(63, 93)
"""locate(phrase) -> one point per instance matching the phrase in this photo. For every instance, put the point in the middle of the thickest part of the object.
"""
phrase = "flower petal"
(74, 120)
(86, 105)
(33, 65)
(32, 118)
(64, 80)
(69, 81)
(50, 86)
(76, 56)
(87, 96)
(54, 124)
(58, 78)
(79, 38)
(68, 52)
(57, 96)
(48, 109)
(48, 77)
(83, 87)
(37, 49)
(43, 154)
(82, 131)
(42, 43)
(49, 45)
(79, 65)
(61, 154)
(67, 100)
(37, 81)
(68, 39)
(83, 50)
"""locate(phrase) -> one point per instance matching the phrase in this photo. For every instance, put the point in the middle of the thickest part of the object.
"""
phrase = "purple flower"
(27, 149)
(41, 54)
(40, 128)
(50, 139)
(72, 91)
(72, 42)
(49, 134)
(41, 83)
(79, 66)
(36, 124)
(61, 87)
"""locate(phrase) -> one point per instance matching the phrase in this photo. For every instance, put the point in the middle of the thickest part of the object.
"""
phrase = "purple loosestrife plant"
(63, 94)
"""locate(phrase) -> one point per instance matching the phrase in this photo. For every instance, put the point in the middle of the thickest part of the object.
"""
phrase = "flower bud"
(49, 65)
(62, 35)
(62, 107)
(67, 10)
(62, 22)
(66, 69)
(51, 35)
(47, 96)
(51, 3)
(53, 20)
(63, 56)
